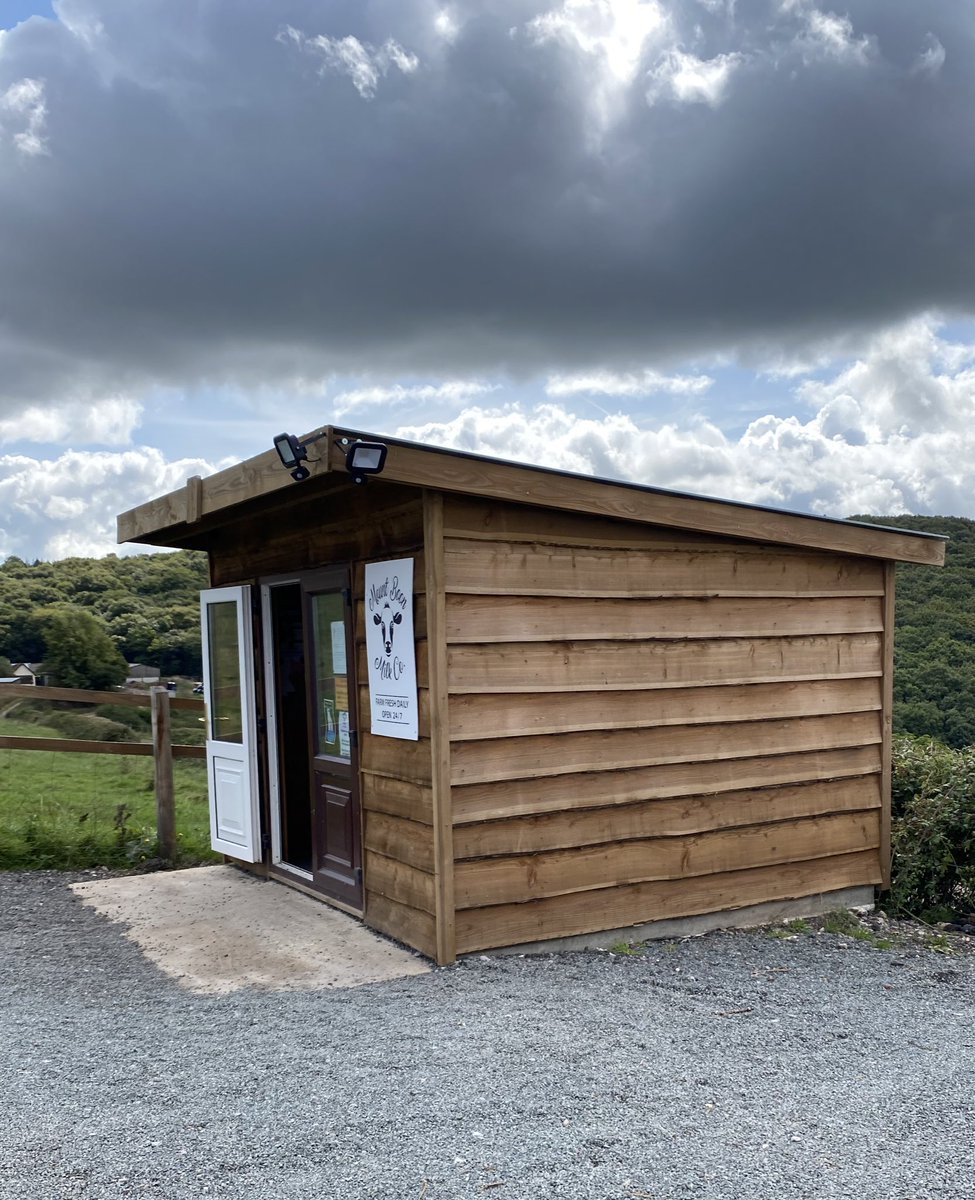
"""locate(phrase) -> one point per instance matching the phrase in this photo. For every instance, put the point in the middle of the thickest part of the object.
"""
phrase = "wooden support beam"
(443, 840)
(194, 499)
(887, 728)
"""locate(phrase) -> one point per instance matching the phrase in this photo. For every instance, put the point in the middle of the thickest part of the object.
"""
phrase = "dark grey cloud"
(234, 191)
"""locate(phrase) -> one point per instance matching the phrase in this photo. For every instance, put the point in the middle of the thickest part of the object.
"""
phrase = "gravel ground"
(729, 1067)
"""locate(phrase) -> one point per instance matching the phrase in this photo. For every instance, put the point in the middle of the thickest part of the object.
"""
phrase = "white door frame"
(232, 775)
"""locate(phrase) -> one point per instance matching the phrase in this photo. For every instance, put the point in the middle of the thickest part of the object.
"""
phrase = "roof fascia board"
(446, 470)
(247, 480)
(451, 471)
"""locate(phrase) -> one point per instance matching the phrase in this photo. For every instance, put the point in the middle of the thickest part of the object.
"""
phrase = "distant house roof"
(186, 516)
(26, 668)
(137, 671)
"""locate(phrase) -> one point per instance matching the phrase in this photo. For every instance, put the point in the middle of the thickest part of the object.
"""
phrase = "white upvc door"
(231, 716)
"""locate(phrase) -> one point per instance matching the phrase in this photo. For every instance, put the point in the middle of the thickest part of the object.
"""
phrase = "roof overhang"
(183, 517)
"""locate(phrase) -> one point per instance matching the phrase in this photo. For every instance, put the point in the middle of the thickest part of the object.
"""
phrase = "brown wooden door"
(330, 659)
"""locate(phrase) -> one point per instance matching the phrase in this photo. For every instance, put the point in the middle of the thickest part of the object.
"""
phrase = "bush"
(933, 828)
(89, 727)
(138, 720)
(35, 712)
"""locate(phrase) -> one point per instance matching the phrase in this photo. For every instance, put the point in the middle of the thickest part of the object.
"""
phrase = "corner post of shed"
(443, 833)
(887, 725)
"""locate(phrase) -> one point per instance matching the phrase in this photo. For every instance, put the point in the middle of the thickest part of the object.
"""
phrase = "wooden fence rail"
(161, 748)
(24, 691)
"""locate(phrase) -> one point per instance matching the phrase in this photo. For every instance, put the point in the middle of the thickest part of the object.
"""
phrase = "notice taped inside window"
(391, 650)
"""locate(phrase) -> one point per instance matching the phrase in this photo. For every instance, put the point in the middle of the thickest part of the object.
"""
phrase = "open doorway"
(312, 740)
(287, 728)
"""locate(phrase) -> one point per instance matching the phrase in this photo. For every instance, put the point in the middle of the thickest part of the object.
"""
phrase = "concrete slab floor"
(217, 929)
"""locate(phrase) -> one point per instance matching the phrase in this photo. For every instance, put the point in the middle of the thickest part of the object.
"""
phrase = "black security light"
(292, 454)
(365, 458)
(361, 458)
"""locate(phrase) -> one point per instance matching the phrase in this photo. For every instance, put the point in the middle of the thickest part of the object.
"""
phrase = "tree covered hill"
(934, 644)
(149, 603)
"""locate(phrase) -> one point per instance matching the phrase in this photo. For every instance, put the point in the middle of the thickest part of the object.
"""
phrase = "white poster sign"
(391, 650)
(339, 665)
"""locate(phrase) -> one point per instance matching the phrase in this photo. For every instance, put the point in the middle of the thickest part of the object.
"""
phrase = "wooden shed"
(630, 705)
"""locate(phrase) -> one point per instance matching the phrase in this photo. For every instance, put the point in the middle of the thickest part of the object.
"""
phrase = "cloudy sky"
(726, 246)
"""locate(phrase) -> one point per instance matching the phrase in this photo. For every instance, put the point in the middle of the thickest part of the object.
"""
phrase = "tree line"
(934, 643)
(85, 618)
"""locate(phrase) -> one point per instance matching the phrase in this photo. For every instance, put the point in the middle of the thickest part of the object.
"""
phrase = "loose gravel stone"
(735, 1066)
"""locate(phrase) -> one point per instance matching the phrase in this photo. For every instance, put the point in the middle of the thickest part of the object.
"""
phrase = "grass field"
(68, 811)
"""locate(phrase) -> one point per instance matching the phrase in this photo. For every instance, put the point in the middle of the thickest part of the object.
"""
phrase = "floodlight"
(292, 454)
(365, 458)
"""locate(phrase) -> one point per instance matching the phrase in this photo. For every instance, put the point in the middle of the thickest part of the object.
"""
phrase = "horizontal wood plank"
(485, 619)
(621, 749)
(154, 516)
(411, 926)
(395, 837)
(504, 568)
(472, 518)
(490, 715)
(665, 818)
(417, 555)
(397, 757)
(399, 881)
(614, 908)
(516, 878)
(397, 797)
(596, 789)
(622, 666)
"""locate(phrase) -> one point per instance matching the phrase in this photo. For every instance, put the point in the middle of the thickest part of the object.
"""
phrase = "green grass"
(628, 949)
(68, 811)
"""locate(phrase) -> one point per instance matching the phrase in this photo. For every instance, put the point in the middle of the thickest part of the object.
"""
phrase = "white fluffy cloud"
(67, 506)
(631, 383)
(691, 80)
(22, 113)
(364, 64)
(892, 432)
(109, 422)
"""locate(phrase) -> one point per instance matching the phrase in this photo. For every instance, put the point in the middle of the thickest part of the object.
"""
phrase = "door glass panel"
(332, 721)
(226, 709)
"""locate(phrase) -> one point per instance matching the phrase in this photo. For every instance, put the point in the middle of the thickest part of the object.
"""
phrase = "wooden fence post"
(162, 754)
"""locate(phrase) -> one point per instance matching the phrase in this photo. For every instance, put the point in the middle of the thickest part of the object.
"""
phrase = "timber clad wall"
(397, 799)
(359, 525)
(648, 724)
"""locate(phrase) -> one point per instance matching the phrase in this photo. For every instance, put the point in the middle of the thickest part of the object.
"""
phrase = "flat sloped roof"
(182, 516)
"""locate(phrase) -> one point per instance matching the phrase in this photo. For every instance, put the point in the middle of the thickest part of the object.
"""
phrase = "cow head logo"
(388, 620)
